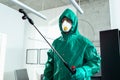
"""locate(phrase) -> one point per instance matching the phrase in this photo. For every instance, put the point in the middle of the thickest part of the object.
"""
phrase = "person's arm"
(93, 60)
(91, 65)
(49, 67)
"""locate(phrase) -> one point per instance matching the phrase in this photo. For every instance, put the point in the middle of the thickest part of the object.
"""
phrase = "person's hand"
(79, 75)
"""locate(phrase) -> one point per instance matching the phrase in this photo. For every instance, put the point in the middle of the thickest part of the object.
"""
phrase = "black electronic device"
(110, 54)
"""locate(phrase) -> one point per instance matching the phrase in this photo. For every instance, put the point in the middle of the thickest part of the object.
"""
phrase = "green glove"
(79, 75)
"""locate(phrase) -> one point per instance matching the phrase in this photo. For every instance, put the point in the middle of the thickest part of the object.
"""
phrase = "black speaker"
(110, 54)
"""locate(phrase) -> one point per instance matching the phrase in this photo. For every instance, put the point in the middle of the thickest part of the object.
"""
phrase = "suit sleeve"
(49, 66)
(93, 59)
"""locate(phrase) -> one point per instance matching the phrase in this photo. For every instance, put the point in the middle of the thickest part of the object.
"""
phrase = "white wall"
(13, 26)
(114, 13)
(96, 17)
(3, 41)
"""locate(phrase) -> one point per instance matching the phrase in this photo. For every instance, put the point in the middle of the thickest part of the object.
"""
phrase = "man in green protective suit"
(75, 49)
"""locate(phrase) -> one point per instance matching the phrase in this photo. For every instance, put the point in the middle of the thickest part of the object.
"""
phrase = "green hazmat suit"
(76, 50)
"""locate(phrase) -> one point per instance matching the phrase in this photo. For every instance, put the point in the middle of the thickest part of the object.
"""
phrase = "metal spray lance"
(25, 16)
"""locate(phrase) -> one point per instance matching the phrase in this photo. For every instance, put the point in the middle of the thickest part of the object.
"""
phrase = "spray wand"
(25, 16)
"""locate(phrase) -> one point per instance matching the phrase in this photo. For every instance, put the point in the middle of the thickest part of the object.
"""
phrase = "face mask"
(66, 26)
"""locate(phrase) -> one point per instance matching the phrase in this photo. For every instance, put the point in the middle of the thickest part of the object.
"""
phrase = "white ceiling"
(38, 5)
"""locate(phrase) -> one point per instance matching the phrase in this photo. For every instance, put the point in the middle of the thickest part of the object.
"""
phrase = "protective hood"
(72, 16)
